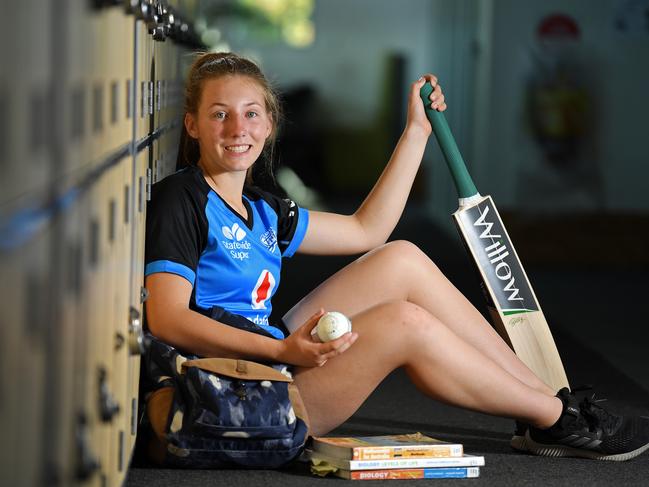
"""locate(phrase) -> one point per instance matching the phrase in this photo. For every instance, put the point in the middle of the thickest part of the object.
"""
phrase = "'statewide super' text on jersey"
(233, 263)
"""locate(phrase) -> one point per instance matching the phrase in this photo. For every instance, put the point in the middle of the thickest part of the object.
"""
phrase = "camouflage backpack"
(215, 412)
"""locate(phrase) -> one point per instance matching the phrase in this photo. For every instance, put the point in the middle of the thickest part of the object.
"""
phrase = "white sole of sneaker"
(567, 451)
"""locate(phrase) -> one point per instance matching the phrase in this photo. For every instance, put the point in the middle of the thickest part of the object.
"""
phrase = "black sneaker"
(589, 431)
(518, 439)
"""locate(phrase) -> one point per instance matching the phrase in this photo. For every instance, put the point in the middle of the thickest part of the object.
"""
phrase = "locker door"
(100, 400)
(120, 246)
(73, 452)
(23, 318)
(83, 258)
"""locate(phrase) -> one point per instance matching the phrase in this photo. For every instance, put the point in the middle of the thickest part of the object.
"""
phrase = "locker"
(25, 312)
(83, 457)
(71, 298)
(113, 397)
(163, 62)
(99, 366)
(144, 48)
(136, 306)
(80, 89)
(116, 40)
(27, 169)
(11, 323)
(120, 244)
(99, 72)
(169, 81)
(123, 350)
(139, 221)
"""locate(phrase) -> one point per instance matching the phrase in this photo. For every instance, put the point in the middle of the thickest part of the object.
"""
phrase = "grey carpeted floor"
(602, 338)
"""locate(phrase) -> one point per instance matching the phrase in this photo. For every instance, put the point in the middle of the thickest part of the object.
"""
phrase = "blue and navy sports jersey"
(232, 263)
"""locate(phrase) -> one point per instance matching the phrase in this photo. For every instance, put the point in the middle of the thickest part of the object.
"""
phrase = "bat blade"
(512, 304)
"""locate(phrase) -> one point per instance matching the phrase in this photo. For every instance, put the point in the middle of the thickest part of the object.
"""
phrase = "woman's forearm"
(381, 210)
(198, 334)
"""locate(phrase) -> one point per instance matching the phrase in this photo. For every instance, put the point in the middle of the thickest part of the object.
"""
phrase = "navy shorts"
(219, 314)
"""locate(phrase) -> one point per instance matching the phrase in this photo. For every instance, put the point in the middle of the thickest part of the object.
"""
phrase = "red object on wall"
(558, 26)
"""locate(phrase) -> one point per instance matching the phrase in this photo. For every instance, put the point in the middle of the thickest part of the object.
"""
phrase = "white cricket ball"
(331, 325)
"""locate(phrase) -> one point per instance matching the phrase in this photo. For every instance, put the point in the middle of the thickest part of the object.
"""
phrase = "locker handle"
(160, 26)
(135, 333)
(108, 407)
(87, 461)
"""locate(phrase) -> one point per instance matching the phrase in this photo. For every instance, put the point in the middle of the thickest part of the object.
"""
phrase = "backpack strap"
(238, 369)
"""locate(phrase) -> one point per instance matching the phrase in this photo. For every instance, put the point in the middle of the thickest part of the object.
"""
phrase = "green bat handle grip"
(461, 177)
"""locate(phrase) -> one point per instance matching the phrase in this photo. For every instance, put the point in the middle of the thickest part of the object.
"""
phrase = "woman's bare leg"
(401, 271)
(441, 364)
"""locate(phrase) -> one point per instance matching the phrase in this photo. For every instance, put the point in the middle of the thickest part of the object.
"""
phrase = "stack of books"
(409, 456)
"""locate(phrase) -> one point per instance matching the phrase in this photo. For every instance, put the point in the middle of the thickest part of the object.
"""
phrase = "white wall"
(615, 71)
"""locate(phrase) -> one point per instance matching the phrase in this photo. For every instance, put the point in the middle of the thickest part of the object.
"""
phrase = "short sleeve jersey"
(232, 263)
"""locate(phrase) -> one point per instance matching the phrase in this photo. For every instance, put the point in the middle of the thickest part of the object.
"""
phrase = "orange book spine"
(387, 453)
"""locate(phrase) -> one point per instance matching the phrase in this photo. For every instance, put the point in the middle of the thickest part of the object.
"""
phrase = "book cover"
(411, 473)
(414, 445)
(325, 462)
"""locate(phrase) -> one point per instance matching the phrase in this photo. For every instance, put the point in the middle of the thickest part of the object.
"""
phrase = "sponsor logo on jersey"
(263, 290)
(269, 240)
(235, 233)
(239, 249)
(261, 320)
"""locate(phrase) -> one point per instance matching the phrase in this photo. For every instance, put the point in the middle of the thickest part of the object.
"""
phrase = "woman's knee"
(405, 254)
(403, 248)
(407, 320)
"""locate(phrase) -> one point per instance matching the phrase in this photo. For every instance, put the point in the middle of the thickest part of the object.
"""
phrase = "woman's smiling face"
(232, 123)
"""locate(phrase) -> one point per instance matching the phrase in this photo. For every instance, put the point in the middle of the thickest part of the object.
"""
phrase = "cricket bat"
(514, 309)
